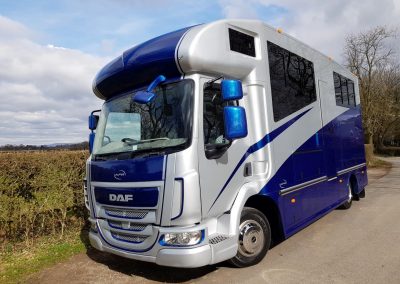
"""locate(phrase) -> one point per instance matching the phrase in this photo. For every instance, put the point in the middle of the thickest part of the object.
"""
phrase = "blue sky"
(51, 50)
(103, 27)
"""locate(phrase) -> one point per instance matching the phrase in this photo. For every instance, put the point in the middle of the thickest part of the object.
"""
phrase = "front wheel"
(254, 238)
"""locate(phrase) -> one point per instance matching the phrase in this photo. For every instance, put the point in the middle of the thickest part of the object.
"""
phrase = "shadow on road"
(147, 270)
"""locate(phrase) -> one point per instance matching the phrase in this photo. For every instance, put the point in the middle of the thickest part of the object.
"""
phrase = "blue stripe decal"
(268, 138)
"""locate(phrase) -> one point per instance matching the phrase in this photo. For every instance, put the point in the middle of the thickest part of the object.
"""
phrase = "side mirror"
(144, 97)
(91, 141)
(235, 122)
(93, 119)
(231, 90)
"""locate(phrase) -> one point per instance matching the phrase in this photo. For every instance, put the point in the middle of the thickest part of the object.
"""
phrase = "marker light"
(182, 239)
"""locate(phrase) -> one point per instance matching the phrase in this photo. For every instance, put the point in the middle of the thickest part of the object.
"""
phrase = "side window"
(213, 116)
(242, 43)
(292, 81)
(344, 91)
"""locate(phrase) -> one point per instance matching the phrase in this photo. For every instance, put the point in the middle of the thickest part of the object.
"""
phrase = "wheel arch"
(353, 182)
(270, 209)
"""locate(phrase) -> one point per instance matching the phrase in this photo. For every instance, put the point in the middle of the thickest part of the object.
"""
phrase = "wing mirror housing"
(235, 122)
(92, 121)
(231, 90)
(144, 97)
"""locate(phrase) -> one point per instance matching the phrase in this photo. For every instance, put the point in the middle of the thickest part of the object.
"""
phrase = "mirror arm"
(215, 151)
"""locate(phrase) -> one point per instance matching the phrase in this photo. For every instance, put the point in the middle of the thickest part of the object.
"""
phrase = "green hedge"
(40, 194)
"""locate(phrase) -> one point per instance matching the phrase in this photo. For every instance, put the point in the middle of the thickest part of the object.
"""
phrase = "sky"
(51, 50)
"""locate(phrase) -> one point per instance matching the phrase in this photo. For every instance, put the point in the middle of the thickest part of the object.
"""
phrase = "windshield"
(132, 128)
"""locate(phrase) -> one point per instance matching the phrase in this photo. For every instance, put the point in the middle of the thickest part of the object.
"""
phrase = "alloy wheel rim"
(251, 238)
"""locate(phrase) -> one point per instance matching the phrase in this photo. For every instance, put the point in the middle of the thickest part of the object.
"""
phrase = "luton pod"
(215, 141)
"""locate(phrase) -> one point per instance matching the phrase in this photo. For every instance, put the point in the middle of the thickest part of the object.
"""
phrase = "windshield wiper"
(141, 152)
(111, 154)
(132, 142)
(158, 150)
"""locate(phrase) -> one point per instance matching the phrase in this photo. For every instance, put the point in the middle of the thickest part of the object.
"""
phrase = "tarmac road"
(359, 245)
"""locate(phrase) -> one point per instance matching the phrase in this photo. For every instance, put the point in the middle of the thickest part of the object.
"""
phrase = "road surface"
(359, 245)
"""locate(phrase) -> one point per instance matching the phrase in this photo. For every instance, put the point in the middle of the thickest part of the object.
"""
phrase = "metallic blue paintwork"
(231, 90)
(156, 82)
(143, 97)
(235, 122)
(136, 66)
(130, 170)
(92, 121)
(92, 136)
(330, 150)
(141, 197)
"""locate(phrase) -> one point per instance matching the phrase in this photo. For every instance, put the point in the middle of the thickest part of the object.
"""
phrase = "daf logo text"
(120, 197)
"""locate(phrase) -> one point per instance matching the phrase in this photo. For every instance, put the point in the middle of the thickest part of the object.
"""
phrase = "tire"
(362, 193)
(254, 238)
(349, 201)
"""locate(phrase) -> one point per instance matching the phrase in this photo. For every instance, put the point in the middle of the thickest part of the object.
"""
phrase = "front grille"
(128, 238)
(126, 213)
(131, 226)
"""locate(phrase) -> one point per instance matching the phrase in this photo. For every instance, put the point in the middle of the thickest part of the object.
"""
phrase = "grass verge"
(16, 266)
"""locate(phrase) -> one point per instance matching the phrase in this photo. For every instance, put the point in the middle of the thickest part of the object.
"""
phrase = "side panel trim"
(341, 172)
(302, 185)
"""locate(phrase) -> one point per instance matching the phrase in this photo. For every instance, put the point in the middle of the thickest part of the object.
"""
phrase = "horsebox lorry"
(217, 141)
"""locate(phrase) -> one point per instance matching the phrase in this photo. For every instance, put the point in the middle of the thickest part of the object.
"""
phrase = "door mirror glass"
(93, 119)
(235, 122)
(231, 90)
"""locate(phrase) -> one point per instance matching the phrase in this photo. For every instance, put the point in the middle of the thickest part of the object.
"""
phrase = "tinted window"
(213, 116)
(292, 81)
(242, 43)
(344, 91)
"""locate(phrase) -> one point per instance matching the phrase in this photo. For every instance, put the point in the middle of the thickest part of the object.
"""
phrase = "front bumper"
(175, 257)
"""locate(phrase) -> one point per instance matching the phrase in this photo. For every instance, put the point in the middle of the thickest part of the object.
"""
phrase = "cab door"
(217, 156)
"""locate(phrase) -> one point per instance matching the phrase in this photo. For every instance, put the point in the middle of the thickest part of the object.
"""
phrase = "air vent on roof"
(242, 43)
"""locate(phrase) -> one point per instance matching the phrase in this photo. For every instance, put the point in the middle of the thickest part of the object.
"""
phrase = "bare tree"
(369, 56)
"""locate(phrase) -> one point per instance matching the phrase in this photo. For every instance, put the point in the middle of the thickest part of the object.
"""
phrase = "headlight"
(182, 239)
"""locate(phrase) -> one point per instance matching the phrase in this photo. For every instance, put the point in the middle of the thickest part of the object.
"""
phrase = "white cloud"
(321, 24)
(45, 91)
